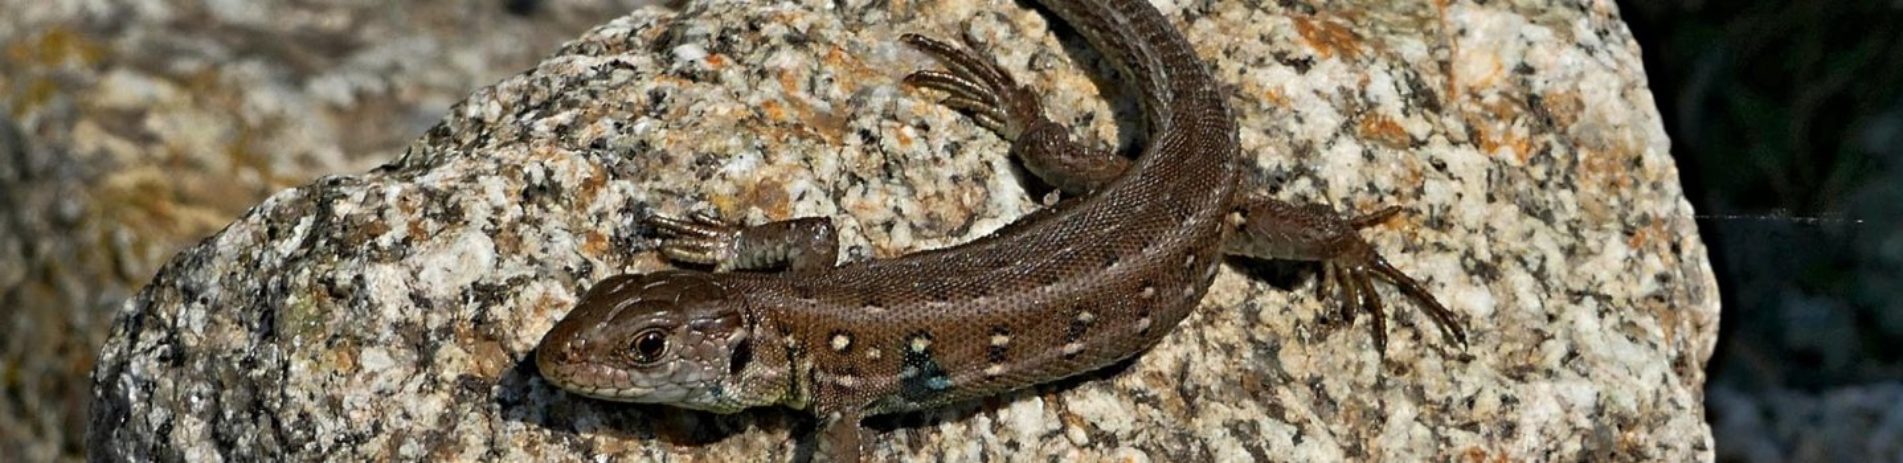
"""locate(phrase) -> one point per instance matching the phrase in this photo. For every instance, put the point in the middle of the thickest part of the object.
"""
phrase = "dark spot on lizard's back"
(999, 345)
(920, 376)
(790, 341)
(1149, 242)
(1080, 321)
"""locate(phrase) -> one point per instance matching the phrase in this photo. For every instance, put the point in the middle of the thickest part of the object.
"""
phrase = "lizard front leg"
(839, 435)
(975, 85)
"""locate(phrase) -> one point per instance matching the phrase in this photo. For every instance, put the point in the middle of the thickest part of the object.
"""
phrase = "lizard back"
(1066, 290)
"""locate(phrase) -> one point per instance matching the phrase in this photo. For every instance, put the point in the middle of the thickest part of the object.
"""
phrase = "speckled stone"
(392, 314)
(130, 130)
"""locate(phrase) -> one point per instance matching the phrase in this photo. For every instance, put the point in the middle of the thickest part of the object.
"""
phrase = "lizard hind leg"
(1375, 266)
(806, 243)
(991, 97)
(1266, 228)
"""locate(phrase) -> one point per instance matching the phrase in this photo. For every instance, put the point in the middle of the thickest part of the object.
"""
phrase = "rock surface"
(392, 314)
(131, 130)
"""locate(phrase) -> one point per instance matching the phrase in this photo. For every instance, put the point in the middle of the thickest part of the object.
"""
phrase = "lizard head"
(676, 337)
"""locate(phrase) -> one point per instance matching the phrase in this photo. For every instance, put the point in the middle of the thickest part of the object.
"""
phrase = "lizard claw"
(1352, 276)
(701, 238)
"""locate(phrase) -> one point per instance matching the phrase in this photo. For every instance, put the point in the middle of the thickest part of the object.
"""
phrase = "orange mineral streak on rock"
(1383, 130)
(1329, 37)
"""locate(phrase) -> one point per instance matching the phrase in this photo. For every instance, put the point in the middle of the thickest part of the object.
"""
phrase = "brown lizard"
(1068, 289)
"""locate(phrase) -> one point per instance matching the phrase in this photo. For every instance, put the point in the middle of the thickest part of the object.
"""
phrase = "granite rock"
(392, 314)
(130, 130)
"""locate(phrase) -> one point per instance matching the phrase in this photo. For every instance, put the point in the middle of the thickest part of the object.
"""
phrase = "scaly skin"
(1072, 288)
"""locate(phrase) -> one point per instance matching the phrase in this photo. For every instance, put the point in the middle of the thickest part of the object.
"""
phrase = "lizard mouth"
(602, 382)
(671, 385)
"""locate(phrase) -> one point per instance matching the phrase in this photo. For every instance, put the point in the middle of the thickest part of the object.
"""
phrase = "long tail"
(1149, 52)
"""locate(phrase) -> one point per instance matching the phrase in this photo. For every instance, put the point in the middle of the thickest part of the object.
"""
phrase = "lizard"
(1088, 281)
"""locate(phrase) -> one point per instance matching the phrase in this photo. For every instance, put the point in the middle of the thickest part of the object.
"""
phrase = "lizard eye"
(648, 346)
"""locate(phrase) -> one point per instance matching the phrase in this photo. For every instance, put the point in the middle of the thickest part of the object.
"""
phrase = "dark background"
(1787, 122)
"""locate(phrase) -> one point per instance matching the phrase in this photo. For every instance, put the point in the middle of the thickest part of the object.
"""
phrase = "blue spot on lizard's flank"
(930, 380)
